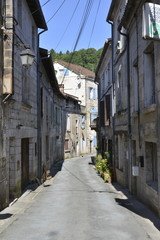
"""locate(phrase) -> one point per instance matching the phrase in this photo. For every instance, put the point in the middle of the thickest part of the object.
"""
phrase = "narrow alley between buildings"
(77, 205)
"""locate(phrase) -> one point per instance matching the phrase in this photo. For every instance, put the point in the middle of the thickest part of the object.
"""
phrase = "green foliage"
(87, 58)
(102, 166)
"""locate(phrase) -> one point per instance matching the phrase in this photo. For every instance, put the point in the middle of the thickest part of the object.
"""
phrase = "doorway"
(24, 162)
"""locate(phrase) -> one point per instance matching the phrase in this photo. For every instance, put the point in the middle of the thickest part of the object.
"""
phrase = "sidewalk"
(135, 206)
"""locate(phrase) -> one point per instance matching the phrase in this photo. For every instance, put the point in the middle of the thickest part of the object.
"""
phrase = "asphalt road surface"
(76, 205)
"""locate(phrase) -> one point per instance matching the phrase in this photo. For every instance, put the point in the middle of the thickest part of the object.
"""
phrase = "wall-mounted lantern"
(27, 57)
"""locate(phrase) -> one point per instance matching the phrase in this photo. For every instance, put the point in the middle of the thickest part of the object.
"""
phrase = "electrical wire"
(94, 23)
(56, 11)
(41, 6)
(68, 24)
(85, 17)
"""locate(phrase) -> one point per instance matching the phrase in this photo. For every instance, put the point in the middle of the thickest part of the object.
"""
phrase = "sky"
(64, 23)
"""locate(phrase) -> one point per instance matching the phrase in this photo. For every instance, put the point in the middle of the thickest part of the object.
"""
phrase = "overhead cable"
(41, 6)
(56, 11)
(85, 16)
(94, 23)
(68, 24)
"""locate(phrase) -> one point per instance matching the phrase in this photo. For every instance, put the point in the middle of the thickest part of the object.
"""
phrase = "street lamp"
(27, 57)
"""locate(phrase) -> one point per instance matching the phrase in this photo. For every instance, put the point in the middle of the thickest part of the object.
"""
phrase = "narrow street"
(77, 205)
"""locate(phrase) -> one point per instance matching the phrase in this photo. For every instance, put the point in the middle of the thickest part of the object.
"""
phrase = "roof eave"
(48, 65)
(36, 11)
(105, 48)
(112, 7)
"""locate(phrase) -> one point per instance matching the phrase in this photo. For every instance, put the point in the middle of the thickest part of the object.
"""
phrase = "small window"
(68, 123)
(66, 72)
(66, 146)
(149, 76)
(92, 93)
(58, 116)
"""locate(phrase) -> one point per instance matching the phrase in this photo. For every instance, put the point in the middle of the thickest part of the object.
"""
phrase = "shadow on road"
(56, 168)
(132, 204)
(5, 216)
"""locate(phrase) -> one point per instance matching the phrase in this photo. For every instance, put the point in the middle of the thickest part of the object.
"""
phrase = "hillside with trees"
(87, 58)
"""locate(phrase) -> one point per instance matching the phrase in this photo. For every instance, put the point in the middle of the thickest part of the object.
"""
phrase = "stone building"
(135, 81)
(105, 99)
(55, 107)
(20, 31)
(79, 82)
(3, 165)
(33, 111)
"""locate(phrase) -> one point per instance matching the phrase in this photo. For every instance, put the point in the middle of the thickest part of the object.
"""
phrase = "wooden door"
(24, 162)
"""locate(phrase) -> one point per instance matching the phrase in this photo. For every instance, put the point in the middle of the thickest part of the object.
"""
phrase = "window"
(83, 119)
(68, 123)
(93, 116)
(77, 127)
(149, 76)
(95, 141)
(58, 116)
(92, 93)
(120, 153)
(119, 90)
(61, 72)
(66, 145)
(83, 142)
(151, 163)
(135, 86)
(66, 72)
(107, 109)
(109, 74)
(101, 113)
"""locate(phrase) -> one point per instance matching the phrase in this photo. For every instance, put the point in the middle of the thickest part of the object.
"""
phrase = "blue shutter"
(95, 141)
(94, 93)
(89, 92)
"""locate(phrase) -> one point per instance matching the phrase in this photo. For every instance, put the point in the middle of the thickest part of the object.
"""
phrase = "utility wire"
(56, 11)
(68, 24)
(41, 6)
(94, 23)
(85, 16)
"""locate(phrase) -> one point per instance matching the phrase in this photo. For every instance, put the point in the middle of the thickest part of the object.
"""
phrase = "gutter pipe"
(39, 152)
(129, 107)
(113, 114)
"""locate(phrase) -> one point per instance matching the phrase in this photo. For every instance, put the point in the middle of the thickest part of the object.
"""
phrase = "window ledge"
(149, 109)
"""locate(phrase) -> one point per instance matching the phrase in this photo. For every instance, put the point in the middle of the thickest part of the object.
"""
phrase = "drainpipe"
(113, 114)
(129, 109)
(39, 152)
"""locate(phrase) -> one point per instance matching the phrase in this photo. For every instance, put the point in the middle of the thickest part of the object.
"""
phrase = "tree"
(87, 58)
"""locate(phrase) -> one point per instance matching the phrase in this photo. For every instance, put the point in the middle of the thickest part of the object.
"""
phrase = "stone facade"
(135, 102)
(33, 111)
(55, 109)
(79, 82)
(105, 100)
(19, 99)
